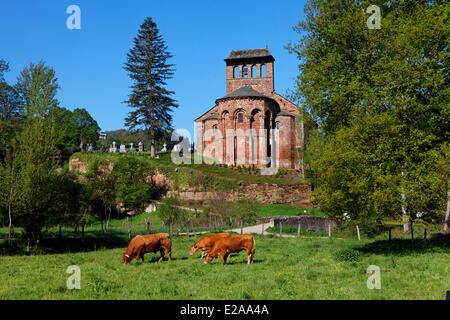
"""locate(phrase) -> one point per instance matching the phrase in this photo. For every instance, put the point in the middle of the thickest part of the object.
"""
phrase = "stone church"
(251, 125)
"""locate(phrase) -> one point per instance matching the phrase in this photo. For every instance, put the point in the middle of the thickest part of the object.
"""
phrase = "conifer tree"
(148, 68)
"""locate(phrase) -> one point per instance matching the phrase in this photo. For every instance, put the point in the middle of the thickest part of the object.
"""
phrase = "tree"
(10, 120)
(245, 210)
(133, 190)
(35, 151)
(4, 67)
(148, 69)
(9, 102)
(101, 186)
(75, 129)
(8, 187)
(87, 128)
(350, 78)
(170, 212)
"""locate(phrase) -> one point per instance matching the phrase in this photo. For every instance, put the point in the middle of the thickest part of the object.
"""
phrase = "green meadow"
(309, 267)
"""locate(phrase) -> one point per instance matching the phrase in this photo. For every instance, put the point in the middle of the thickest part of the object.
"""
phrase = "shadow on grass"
(55, 245)
(436, 243)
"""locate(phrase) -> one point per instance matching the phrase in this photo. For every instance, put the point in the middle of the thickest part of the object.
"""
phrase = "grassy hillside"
(205, 177)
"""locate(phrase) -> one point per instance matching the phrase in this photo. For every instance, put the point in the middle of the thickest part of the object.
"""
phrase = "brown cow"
(205, 243)
(224, 246)
(141, 245)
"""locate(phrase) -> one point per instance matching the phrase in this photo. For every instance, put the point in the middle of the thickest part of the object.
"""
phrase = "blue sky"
(199, 34)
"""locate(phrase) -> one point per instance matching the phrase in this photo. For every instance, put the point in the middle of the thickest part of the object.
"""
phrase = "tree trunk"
(11, 190)
(152, 148)
(447, 214)
(302, 149)
(151, 135)
(10, 224)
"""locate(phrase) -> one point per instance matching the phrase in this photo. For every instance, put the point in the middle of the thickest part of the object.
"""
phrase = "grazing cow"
(205, 243)
(141, 245)
(224, 246)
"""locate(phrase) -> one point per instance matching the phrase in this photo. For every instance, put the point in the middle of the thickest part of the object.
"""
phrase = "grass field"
(284, 268)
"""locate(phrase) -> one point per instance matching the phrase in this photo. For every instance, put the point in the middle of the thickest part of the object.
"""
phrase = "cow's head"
(194, 249)
(126, 258)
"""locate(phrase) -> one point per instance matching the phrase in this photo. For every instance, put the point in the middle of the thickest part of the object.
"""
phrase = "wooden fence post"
(187, 226)
(425, 234)
(329, 230)
(242, 229)
(128, 227)
(281, 228)
(262, 228)
(357, 230)
(298, 230)
(147, 228)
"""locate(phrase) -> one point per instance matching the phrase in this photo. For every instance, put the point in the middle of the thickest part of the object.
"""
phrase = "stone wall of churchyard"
(308, 222)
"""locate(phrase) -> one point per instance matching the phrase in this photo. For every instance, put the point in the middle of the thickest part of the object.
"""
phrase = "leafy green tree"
(8, 188)
(170, 212)
(10, 119)
(9, 102)
(148, 69)
(87, 128)
(75, 129)
(102, 187)
(37, 176)
(134, 190)
(4, 67)
(66, 201)
(352, 77)
(245, 210)
(348, 70)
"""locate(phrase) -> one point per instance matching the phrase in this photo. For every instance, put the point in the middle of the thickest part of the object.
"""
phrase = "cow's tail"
(254, 248)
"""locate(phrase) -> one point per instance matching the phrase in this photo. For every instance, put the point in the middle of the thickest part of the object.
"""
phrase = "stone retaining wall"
(267, 193)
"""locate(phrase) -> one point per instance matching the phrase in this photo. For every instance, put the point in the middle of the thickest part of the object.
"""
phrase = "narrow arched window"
(254, 72)
(277, 125)
(263, 70)
(235, 72)
(215, 128)
(240, 118)
(244, 72)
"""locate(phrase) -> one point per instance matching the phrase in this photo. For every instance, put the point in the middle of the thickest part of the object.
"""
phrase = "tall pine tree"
(148, 68)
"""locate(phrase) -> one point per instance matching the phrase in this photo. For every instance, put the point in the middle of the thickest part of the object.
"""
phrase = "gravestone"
(141, 147)
(113, 148)
(122, 148)
(132, 147)
(164, 149)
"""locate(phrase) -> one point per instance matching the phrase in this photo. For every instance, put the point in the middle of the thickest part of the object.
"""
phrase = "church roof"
(205, 114)
(285, 113)
(245, 92)
(250, 53)
(213, 116)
